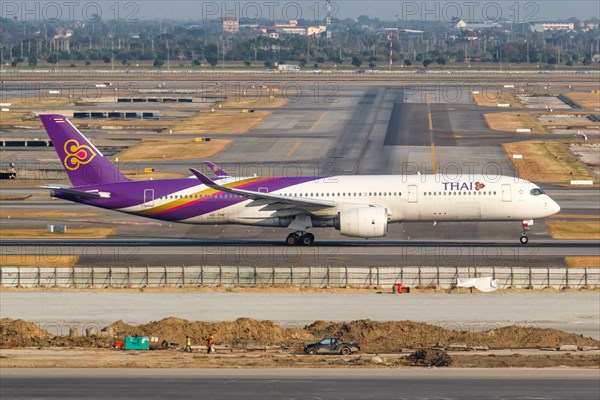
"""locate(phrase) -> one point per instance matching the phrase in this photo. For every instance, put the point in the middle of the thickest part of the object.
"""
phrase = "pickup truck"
(331, 345)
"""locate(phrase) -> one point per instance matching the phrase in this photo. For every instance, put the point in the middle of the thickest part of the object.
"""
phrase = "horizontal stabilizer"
(92, 194)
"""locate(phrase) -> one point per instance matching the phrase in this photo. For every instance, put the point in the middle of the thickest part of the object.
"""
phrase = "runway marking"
(293, 149)
(314, 125)
(433, 157)
(430, 123)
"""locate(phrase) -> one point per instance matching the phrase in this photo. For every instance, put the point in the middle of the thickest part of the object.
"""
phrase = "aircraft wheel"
(292, 239)
(524, 239)
(307, 239)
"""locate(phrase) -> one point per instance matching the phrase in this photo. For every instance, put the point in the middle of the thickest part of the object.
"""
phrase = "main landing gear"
(524, 239)
(300, 238)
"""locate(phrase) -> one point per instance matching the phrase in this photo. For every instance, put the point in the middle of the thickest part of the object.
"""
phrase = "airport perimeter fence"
(68, 72)
(302, 277)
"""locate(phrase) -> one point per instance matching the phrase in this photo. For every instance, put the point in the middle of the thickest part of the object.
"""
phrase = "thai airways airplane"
(358, 206)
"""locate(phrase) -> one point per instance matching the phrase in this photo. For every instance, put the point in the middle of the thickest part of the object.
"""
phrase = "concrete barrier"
(318, 277)
(582, 182)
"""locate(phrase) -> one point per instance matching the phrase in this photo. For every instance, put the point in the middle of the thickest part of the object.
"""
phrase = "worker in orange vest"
(209, 345)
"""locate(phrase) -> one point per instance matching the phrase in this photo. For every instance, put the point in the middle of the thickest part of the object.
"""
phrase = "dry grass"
(172, 149)
(42, 214)
(511, 121)
(26, 117)
(144, 176)
(253, 99)
(220, 121)
(491, 98)
(585, 99)
(37, 260)
(546, 161)
(583, 261)
(587, 230)
(574, 216)
(72, 233)
(13, 197)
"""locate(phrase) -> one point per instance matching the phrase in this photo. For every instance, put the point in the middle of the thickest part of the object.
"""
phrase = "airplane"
(357, 206)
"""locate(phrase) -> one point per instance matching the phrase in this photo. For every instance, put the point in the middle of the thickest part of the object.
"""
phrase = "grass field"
(72, 233)
(42, 214)
(38, 260)
(585, 99)
(586, 230)
(546, 161)
(172, 149)
(220, 121)
(511, 121)
(491, 98)
(583, 261)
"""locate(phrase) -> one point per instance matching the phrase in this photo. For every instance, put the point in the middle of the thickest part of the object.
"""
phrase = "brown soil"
(108, 358)
(374, 336)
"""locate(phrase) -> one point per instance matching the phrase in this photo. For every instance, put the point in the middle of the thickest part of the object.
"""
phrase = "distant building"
(316, 30)
(551, 26)
(63, 39)
(230, 25)
(292, 28)
(471, 26)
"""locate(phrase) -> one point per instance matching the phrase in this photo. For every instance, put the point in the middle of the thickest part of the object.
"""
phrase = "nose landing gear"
(525, 228)
(300, 238)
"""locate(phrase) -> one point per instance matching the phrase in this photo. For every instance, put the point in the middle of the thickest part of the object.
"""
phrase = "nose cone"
(553, 207)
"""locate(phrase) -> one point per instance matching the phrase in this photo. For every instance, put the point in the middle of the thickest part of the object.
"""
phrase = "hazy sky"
(314, 10)
(383, 9)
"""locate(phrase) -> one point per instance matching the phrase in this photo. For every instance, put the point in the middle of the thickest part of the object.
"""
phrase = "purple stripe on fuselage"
(129, 194)
(210, 205)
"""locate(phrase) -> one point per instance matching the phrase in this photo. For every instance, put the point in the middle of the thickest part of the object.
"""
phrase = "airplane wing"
(93, 194)
(272, 202)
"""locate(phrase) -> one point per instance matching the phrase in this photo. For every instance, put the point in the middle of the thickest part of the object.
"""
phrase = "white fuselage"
(406, 198)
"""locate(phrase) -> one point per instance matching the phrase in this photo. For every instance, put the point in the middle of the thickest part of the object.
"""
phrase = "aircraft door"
(148, 198)
(412, 193)
(506, 193)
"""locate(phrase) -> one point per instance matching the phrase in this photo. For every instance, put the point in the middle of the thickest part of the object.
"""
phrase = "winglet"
(203, 178)
(220, 173)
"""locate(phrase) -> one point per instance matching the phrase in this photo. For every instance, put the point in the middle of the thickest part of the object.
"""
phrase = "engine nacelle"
(364, 222)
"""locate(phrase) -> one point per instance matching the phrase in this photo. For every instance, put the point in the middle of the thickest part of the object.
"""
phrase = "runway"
(302, 384)
(267, 252)
(348, 129)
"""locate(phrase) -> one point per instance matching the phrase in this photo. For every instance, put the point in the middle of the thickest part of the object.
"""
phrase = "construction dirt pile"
(374, 337)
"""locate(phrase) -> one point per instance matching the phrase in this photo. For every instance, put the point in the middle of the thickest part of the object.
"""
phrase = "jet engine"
(364, 222)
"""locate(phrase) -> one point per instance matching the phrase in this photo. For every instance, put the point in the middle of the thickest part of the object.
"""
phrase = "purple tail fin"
(83, 162)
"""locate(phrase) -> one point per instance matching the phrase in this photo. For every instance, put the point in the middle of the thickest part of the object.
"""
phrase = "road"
(577, 312)
(302, 384)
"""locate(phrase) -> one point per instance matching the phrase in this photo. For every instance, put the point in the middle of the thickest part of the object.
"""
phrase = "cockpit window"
(536, 191)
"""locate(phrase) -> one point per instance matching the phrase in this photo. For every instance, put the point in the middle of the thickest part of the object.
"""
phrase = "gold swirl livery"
(77, 154)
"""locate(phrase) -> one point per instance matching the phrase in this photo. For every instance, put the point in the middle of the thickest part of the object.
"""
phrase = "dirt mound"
(391, 336)
(19, 333)
(430, 358)
(240, 332)
(374, 336)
